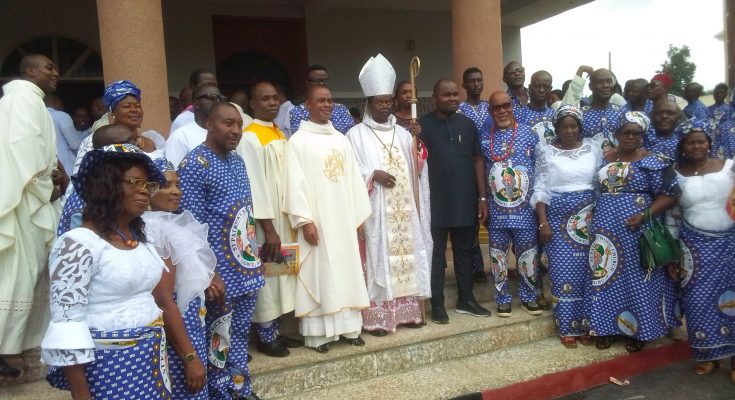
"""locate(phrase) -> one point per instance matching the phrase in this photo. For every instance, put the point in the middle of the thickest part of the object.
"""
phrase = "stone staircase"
(306, 371)
(470, 354)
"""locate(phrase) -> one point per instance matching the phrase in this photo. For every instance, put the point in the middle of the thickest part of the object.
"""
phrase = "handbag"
(657, 247)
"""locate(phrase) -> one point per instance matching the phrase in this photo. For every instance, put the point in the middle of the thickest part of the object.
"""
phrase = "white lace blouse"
(560, 171)
(704, 197)
(96, 286)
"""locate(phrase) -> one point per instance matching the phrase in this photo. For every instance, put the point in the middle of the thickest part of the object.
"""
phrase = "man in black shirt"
(458, 204)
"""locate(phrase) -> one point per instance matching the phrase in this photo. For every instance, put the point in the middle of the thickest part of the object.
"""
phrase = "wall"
(344, 39)
(23, 20)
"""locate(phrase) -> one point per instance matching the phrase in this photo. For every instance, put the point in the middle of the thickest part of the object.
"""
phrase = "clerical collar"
(313, 127)
(385, 126)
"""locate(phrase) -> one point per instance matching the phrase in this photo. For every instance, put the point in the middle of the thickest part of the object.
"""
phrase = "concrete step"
(306, 370)
(471, 374)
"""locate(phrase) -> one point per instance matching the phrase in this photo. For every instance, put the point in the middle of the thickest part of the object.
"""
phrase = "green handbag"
(657, 247)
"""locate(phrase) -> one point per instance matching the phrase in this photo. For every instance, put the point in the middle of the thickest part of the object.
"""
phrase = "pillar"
(730, 41)
(131, 39)
(477, 41)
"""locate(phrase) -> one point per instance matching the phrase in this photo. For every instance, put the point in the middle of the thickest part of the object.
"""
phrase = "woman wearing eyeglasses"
(622, 298)
(105, 339)
(564, 199)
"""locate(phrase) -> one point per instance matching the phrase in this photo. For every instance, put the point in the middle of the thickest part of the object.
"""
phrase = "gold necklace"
(393, 139)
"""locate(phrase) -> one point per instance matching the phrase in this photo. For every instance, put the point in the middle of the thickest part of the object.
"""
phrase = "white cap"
(377, 76)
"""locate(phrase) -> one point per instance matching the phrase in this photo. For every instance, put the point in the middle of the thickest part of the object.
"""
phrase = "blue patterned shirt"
(695, 109)
(478, 114)
(661, 145)
(647, 108)
(341, 118)
(541, 122)
(600, 125)
(510, 181)
(217, 191)
(719, 113)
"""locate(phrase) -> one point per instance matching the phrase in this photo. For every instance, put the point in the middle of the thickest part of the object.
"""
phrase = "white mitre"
(377, 77)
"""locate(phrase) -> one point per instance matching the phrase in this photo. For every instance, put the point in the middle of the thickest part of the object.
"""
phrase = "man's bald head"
(39, 70)
(498, 97)
(112, 134)
(446, 97)
(442, 83)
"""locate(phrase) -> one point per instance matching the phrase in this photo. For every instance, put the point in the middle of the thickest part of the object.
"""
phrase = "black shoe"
(358, 341)
(250, 358)
(414, 325)
(378, 333)
(324, 348)
(8, 371)
(273, 349)
(532, 307)
(439, 315)
(504, 310)
(472, 308)
(290, 342)
(480, 277)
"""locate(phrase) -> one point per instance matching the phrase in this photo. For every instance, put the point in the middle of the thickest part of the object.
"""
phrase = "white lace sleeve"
(540, 192)
(67, 340)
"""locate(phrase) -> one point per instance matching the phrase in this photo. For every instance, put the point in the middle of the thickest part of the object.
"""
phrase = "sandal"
(705, 367)
(604, 342)
(634, 346)
(586, 340)
(570, 342)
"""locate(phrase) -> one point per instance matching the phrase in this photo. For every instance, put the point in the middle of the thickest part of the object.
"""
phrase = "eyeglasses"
(151, 187)
(318, 81)
(518, 69)
(212, 97)
(504, 106)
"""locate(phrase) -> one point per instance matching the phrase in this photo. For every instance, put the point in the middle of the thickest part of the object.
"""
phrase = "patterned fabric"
(600, 125)
(692, 125)
(129, 364)
(647, 108)
(635, 117)
(478, 114)
(724, 144)
(569, 215)
(517, 102)
(525, 248)
(720, 113)
(510, 181)
(268, 331)
(341, 118)
(116, 91)
(568, 110)
(217, 191)
(195, 330)
(541, 122)
(93, 158)
(228, 335)
(696, 109)
(621, 299)
(71, 215)
(661, 145)
(164, 165)
(387, 315)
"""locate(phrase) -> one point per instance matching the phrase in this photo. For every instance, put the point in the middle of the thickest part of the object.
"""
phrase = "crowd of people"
(140, 263)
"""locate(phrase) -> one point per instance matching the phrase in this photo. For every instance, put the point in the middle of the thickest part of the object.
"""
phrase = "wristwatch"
(190, 357)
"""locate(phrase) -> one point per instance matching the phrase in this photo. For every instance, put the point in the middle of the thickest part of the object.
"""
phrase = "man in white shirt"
(197, 78)
(192, 134)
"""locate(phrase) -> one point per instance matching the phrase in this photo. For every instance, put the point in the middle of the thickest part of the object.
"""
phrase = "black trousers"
(463, 239)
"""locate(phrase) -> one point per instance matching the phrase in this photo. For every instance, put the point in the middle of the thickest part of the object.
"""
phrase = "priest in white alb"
(30, 183)
(326, 201)
(398, 241)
